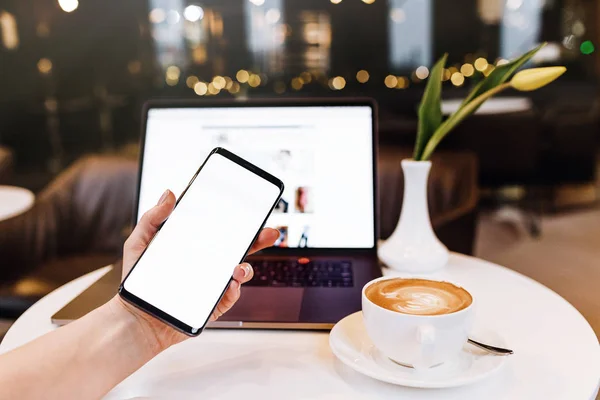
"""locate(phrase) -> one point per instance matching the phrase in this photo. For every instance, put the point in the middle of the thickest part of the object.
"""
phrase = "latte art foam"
(418, 296)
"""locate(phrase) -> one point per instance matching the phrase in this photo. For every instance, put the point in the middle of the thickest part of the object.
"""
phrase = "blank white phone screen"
(191, 259)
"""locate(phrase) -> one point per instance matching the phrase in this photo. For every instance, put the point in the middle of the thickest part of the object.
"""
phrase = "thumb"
(148, 226)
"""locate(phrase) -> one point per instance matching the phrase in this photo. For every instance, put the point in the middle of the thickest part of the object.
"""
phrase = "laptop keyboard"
(288, 273)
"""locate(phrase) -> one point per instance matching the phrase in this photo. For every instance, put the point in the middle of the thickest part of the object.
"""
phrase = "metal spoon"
(499, 351)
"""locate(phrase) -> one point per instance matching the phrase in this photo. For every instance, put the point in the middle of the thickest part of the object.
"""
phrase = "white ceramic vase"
(414, 247)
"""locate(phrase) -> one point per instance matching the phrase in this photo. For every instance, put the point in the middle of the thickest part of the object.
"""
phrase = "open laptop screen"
(324, 155)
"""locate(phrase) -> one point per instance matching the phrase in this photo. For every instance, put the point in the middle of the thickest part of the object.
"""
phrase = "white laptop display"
(323, 154)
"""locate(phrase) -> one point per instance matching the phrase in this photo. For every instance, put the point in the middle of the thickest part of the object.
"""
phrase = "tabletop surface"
(557, 355)
(14, 201)
(496, 105)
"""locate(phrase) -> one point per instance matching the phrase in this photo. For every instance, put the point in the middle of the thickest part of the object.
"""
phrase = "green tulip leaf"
(430, 109)
(457, 118)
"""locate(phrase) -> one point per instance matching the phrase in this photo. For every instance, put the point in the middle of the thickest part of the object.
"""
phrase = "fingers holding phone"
(183, 275)
(243, 273)
(145, 230)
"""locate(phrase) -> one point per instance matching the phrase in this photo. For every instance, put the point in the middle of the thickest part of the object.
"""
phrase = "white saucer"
(351, 344)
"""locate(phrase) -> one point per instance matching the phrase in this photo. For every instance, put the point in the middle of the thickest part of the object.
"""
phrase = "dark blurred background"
(74, 74)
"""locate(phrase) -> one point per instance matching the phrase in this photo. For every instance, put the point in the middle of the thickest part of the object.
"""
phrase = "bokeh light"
(272, 16)
(338, 83)
(173, 17)
(191, 81)
(488, 70)
(44, 66)
(172, 75)
(212, 89)
(254, 80)
(201, 88)
(422, 72)
(68, 5)
(193, 13)
(578, 28)
(403, 82)
(173, 72)
(242, 76)
(219, 82)
(390, 81)
(467, 70)
(235, 88)
(457, 79)
(228, 82)
(587, 47)
(157, 16)
(296, 84)
(362, 76)
(481, 64)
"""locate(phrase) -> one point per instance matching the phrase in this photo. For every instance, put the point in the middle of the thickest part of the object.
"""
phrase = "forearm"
(83, 360)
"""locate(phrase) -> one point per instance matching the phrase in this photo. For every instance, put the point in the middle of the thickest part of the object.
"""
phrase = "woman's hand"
(161, 335)
(90, 356)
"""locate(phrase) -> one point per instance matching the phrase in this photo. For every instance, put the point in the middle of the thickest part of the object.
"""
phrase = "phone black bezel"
(155, 311)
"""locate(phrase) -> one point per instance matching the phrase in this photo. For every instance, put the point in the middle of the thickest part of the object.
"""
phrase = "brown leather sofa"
(80, 221)
(77, 224)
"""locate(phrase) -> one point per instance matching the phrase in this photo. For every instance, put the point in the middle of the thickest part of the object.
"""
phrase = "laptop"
(325, 152)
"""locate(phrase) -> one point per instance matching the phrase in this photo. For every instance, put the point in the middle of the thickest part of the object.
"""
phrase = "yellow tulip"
(535, 78)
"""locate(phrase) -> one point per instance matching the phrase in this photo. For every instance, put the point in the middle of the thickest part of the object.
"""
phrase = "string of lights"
(246, 79)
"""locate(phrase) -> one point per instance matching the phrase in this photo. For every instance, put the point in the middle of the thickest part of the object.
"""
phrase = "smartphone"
(186, 269)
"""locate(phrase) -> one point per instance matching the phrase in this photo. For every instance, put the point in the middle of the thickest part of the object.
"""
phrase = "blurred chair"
(569, 145)
(78, 224)
(509, 150)
(507, 146)
(6, 165)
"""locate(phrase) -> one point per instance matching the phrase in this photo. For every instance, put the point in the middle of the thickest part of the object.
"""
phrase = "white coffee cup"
(419, 341)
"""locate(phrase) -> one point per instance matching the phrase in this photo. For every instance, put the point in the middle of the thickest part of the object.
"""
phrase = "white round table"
(496, 105)
(14, 201)
(557, 355)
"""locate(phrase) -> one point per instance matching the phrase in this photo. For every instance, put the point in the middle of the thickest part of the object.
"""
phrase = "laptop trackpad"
(267, 304)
